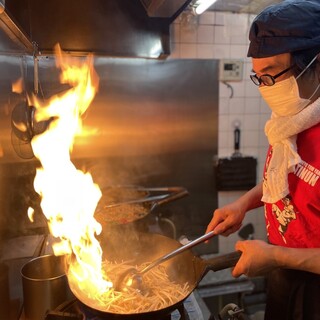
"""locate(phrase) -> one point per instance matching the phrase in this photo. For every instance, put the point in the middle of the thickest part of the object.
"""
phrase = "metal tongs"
(173, 193)
(133, 278)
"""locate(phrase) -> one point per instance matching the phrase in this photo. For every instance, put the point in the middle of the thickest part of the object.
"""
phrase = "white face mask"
(283, 97)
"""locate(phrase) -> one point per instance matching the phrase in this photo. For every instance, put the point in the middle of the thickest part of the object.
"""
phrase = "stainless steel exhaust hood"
(12, 39)
(116, 28)
(164, 8)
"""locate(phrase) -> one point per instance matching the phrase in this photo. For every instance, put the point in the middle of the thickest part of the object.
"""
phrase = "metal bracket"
(35, 67)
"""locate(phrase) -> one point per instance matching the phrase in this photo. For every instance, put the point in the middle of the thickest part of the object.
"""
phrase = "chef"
(285, 51)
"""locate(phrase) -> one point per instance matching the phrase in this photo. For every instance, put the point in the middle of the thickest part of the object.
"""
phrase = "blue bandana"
(290, 26)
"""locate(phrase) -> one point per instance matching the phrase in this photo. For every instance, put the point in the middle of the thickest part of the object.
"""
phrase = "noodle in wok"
(161, 292)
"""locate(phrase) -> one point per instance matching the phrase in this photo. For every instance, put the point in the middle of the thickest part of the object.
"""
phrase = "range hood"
(12, 39)
(115, 28)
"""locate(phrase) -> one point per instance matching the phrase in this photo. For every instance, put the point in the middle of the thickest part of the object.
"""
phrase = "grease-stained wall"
(224, 35)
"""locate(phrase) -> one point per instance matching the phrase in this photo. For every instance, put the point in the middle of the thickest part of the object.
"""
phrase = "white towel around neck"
(282, 136)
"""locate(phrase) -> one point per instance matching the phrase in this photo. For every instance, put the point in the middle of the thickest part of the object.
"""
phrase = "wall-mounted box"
(231, 70)
(236, 173)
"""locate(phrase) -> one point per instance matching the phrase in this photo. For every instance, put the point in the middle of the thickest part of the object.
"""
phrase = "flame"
(68, 195)
(31, 214)
(17, 86)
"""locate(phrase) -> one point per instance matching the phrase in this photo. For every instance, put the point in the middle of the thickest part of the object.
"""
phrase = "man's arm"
(258, 258)
(307, 259)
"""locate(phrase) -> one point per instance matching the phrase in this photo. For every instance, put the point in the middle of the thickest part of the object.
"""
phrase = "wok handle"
(177, 194)
(223, 261)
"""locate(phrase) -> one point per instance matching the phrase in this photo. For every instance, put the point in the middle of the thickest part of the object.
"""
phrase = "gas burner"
(180, 313)
(68, 310)
(74, 310)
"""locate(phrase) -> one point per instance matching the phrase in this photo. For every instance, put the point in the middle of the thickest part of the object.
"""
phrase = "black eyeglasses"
(267, 79)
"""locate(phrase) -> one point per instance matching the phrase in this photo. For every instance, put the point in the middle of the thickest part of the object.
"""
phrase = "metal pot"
(143, 247)
(45, 285)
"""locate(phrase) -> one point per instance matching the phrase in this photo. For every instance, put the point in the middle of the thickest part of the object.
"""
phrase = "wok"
(145, 247)
(122, 205)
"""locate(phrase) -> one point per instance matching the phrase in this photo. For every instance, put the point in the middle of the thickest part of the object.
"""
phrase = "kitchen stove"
(74, 310)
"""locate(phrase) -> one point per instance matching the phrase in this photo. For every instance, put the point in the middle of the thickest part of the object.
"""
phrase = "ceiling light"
(202, 5)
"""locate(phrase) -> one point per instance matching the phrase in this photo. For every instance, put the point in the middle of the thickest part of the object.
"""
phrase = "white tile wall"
(219, 35)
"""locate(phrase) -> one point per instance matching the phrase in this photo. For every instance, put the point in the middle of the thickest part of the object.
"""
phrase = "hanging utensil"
(236, 133)
(24, 127)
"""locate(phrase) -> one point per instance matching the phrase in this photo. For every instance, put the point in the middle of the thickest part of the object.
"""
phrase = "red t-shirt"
(294, 221)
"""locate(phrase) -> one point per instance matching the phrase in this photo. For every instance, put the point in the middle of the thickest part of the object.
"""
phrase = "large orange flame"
(69, 196)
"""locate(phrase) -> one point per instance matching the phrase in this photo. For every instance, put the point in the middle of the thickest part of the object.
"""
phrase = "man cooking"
(285, 51)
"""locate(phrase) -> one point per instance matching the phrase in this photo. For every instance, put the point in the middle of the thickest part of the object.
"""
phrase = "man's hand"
(226, 220)
(258, 258)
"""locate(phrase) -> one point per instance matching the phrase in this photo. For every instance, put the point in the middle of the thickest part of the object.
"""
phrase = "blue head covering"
(289, 26)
